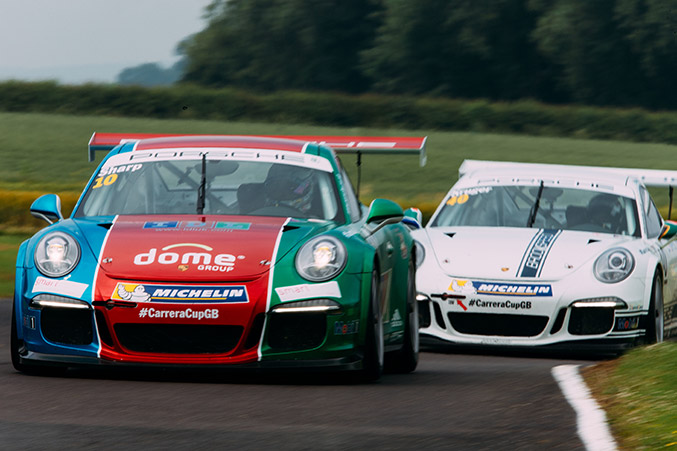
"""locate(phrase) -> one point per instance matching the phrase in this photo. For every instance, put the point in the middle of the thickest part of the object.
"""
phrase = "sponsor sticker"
(307, 291)
(63, 287)
(627, 323)
(119, 169)
(135, 292)
(537, 252)
(222, 225)
(196, 226)
(161, 225)
(278, 157)
(396, 320)
(150, 312)
(109, 175)
(510, 305)
(346, 328)
(460, 197)
(472, 287)
(204, 260)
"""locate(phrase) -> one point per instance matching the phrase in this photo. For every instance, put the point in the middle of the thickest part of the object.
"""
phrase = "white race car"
(522, 254)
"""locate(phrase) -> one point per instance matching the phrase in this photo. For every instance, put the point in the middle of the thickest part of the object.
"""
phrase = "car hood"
(515, 253)
(196, 248)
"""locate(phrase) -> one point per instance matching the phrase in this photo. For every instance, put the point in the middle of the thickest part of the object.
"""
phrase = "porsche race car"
(521, 254)
(220, 251)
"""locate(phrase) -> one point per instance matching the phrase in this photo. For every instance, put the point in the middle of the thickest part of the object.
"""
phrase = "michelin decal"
(473, 287)
(180, 293)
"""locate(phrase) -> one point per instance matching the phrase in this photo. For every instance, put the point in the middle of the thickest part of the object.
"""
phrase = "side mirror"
(413, 218)
(383, 212)
(47, 207)
(669, 230)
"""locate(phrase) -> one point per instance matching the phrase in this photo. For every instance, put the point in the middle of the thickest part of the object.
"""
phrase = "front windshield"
(231, 187)
(557, 208)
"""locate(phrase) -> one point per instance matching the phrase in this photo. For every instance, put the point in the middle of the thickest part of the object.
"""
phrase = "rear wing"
(649, 177)
(357, 145)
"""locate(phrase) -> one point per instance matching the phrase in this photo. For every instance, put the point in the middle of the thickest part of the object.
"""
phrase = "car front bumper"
(562, 314)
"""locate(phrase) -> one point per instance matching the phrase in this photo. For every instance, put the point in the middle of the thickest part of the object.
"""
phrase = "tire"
(655, 324)
(15, 343)
(372, 363)
(405, 360)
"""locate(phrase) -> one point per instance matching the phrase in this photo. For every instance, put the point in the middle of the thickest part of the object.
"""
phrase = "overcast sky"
(91, 40)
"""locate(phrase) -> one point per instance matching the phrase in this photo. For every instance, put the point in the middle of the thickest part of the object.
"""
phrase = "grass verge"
(638, 392)
(9, 244)
(48, 152)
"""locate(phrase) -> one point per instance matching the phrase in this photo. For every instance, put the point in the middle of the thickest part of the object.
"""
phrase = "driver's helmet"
(56, 250)
(290, 186)
(604, 210)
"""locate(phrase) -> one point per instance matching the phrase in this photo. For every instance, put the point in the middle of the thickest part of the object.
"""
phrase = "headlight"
(614, 265)
(604, 302)
(321, 259)
(309, 306)
(56, 254)
(50, 300)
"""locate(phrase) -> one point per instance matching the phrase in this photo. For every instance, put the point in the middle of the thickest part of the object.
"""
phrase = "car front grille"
(424, 313)
(297, 331)
(67, 326)
(178, 338)
(498, 324)
(591, 320)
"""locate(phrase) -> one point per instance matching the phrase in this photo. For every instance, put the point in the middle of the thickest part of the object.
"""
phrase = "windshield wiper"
(534, 209)
(201, 188)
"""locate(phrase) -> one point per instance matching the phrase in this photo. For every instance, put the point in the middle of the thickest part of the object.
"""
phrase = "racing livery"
(521, 254)
(224, 251)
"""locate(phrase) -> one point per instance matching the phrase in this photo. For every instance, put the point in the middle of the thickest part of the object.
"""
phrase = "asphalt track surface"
(456, 399)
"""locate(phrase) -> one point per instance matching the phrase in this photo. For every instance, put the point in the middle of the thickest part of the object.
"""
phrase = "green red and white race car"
(220, 251)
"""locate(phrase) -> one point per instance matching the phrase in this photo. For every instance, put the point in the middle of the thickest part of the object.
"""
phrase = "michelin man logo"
(462, 286)
(396, 320)
(138, 294)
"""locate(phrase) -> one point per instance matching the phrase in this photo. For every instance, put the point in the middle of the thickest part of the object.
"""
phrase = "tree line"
(595, 52)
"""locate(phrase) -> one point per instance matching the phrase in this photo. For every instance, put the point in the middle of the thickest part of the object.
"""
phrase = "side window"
(654, 222)
(351, 198)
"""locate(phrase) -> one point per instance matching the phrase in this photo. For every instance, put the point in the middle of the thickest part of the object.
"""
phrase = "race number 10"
(104, 181)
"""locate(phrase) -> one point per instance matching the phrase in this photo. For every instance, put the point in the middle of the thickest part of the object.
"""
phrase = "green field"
(49, 152)
(639, 395)
(8, 247)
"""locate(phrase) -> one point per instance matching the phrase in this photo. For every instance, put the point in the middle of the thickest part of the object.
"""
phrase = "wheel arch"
(653, 267)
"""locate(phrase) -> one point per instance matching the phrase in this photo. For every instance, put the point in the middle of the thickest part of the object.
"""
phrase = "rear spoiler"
(357, 145)
(649, 177)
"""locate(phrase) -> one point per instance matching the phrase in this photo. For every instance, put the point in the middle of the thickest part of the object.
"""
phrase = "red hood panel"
(190, 248)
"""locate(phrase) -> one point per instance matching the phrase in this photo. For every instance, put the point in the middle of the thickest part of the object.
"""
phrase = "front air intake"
(66, 325)
(591, 320)
(178, 338)
(498, 324)
(296, 332)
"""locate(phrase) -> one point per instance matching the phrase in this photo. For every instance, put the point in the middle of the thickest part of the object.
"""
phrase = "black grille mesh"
(178, 338)
(498, 324)
(67, 326)
(591, 320)
(293, 332)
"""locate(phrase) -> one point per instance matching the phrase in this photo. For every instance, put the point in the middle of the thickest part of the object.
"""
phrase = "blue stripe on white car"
(537, 252)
